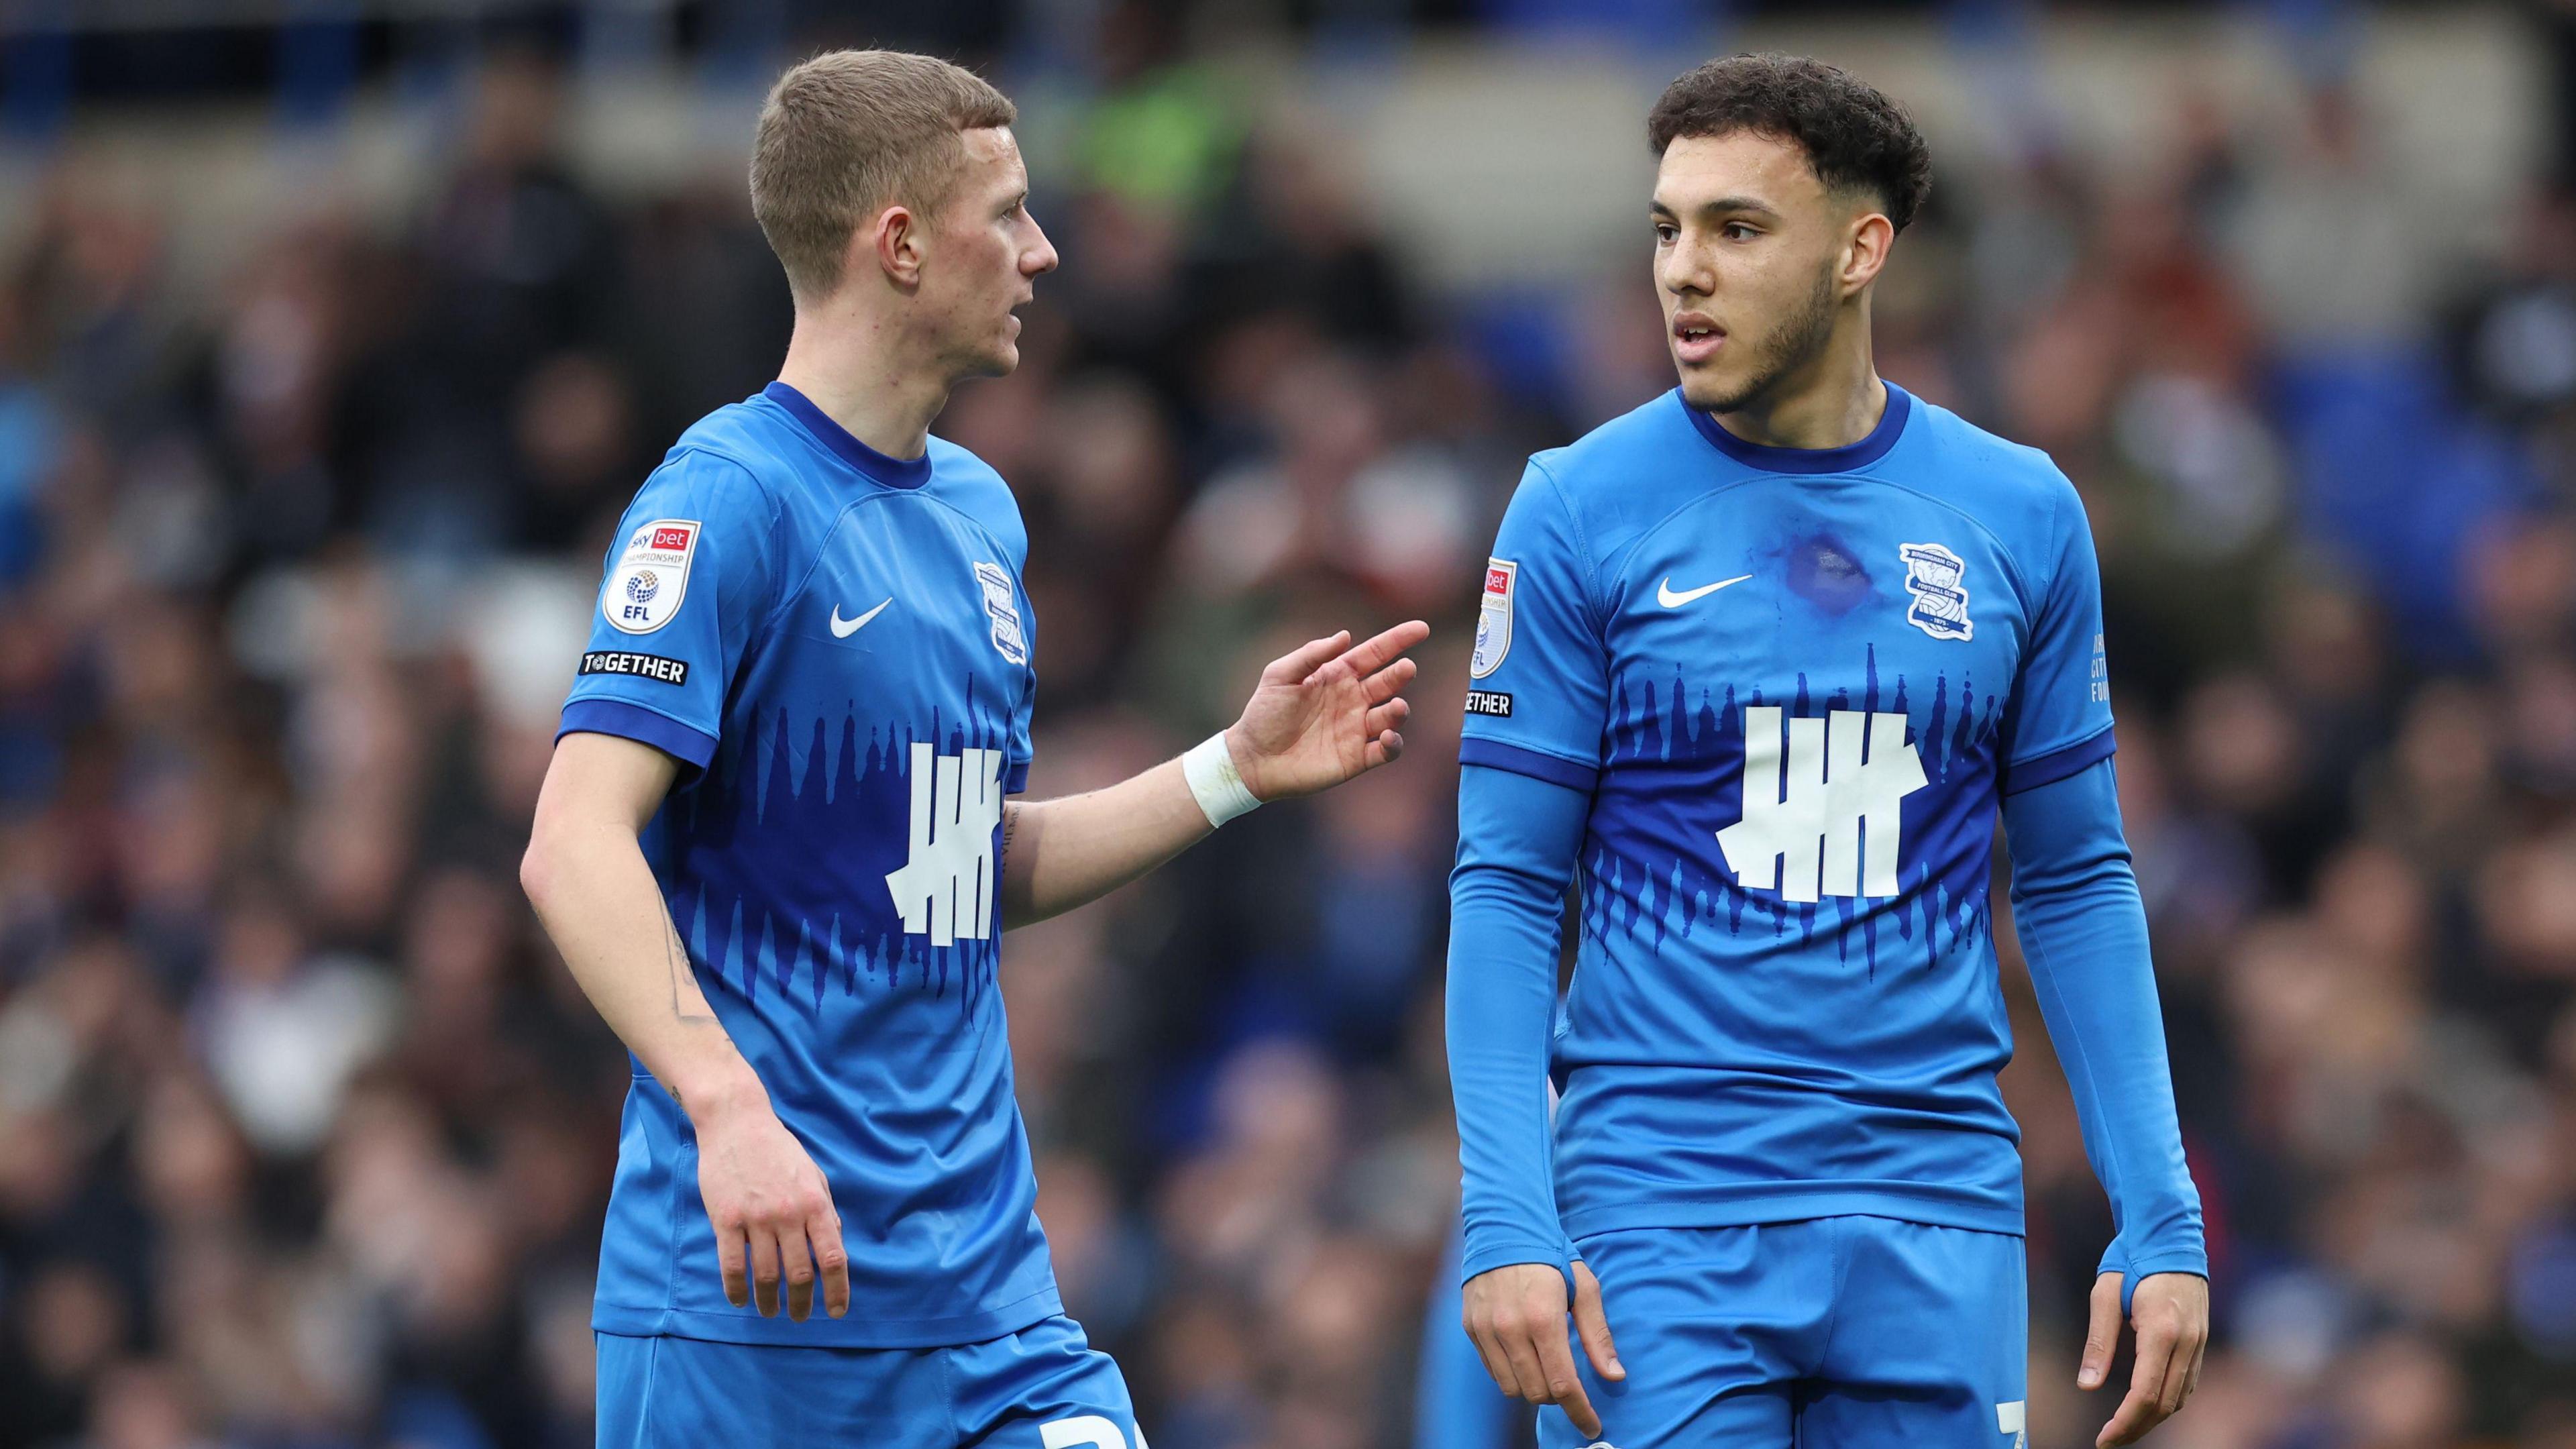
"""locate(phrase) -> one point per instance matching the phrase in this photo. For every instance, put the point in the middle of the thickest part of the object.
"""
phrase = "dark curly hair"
(1854, 136)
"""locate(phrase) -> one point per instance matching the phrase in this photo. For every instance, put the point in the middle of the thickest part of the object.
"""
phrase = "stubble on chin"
(1788, 348)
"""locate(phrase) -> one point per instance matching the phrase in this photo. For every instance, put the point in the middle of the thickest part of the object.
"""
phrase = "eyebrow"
(1717, 206)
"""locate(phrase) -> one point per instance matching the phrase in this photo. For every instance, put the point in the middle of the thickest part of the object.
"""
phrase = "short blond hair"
(851, 131)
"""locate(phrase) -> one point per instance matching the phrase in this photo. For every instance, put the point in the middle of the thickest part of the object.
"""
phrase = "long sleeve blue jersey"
(1761, 705)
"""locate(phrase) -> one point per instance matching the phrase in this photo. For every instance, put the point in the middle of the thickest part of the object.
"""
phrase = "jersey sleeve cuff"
(1015, 779)
(2171, 1261)
(1537, 764)
(1485, 1259)
(692, 747)
(2058, 764)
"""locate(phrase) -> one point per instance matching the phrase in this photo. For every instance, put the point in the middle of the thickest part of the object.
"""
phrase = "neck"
(865, 373)
(1832, 402)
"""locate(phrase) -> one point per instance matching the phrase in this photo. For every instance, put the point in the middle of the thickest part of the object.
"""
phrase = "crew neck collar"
(893, 472)
(1850, 456)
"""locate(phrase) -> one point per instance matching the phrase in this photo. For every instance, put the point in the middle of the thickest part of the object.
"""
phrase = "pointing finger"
(1297, 664)
(2141, 1411)
(1594, 1326)
(1378, 652)
(1564, 1385)
(2104, 1333)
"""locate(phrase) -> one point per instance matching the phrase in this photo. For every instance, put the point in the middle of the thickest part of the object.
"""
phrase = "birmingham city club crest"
(1932, 576)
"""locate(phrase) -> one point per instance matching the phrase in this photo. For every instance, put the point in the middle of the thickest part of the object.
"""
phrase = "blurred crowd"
(305, 1135)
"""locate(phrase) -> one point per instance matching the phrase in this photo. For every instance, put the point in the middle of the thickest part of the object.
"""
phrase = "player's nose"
(1039, 259)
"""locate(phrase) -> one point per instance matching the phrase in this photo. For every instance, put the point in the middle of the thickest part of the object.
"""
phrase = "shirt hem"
(819, 1331)
(1747, 1204)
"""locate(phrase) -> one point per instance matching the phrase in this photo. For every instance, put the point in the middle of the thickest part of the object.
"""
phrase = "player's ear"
(894, 243)
(1866, 250)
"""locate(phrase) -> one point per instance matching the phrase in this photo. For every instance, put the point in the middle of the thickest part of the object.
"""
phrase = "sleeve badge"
(650, 577)
(1494, 618)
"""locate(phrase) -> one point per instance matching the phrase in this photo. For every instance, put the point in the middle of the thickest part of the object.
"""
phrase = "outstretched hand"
(1325, 713)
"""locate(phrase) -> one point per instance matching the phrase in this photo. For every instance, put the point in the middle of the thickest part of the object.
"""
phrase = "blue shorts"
(1043, 1387)
(1832, 1333)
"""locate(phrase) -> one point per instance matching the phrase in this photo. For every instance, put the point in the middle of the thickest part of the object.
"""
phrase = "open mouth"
(1696, 338)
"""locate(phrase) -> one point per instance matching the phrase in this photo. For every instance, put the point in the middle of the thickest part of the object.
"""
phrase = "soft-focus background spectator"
(330, 350)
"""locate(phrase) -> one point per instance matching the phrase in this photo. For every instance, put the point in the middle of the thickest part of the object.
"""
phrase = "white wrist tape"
(1214, 782)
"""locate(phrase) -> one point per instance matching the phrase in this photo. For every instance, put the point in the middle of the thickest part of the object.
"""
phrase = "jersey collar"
(893, 472)
(1844, 459)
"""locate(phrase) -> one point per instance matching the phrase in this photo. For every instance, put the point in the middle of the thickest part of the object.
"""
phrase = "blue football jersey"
(835, 644)
(1795, 683)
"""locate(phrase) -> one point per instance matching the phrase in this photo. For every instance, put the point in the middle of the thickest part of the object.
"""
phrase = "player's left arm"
(1322, 714)
(2083, 932)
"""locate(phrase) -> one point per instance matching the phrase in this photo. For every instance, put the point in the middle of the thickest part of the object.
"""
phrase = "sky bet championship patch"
(1494, 618)
(642, 666)
(644, 590)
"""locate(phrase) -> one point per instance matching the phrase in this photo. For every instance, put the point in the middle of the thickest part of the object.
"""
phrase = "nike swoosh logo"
(1665, 596)
(844, 628)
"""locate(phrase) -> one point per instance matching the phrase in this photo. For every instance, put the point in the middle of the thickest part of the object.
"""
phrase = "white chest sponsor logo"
(2009, 1419)
(945, 889)
(1936, 578)
(650, 577)
(1826, 819)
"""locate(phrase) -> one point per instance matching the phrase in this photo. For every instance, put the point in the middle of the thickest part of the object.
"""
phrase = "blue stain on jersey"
(1792, 685)
(835, 645)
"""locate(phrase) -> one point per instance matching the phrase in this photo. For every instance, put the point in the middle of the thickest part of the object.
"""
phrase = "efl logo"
(644, 590)
(1494, 618)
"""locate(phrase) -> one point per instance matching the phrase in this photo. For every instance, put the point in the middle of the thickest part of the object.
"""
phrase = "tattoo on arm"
(1010, 826)
(679, 955)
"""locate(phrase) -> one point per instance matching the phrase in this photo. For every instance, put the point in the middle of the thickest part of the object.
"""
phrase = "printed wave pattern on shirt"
(799, 842)
(1657, 869)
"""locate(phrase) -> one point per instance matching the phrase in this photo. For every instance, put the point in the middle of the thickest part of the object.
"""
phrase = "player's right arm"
(1530, 758)
(586, 875)
(693, 572)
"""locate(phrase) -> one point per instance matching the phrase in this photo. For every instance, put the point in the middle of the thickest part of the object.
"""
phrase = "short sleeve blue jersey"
(835, 645)
(1795, 683)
